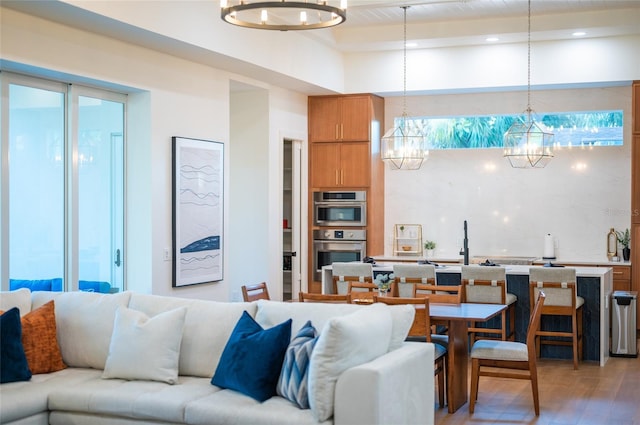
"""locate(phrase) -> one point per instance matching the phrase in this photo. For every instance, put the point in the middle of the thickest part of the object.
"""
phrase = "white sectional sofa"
(395, 386)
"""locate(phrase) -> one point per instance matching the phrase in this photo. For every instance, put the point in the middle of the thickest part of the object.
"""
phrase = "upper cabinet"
(340, 118)
(340, 164)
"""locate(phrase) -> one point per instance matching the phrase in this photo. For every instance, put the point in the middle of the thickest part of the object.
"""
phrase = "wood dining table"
(456, 318)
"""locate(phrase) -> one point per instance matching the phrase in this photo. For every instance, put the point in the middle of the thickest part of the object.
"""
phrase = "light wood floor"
(592, 395)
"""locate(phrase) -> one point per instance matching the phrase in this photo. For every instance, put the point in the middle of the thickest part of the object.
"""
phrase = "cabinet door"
(635, 178)
(325, 164)
(355, 118)
(355, 164)
(324, 119)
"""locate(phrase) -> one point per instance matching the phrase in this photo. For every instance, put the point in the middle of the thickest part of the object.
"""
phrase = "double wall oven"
(339, 233)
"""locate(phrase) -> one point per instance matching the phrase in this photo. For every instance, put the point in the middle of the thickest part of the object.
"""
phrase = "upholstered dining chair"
(487, 356)
(255, 292)
(488, 285)
(559, 284)
(421, 331)
(407, 275)
(343, 273)
(308, 297)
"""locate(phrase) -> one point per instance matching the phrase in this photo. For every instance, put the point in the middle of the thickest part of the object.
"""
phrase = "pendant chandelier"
(284, 15)
(527, 144)
(404, 147)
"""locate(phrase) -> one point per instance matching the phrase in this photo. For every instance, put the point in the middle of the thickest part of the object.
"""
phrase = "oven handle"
(340, 204)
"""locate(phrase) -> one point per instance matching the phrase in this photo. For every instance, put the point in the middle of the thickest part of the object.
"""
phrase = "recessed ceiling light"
(579, 33)
(492, 39)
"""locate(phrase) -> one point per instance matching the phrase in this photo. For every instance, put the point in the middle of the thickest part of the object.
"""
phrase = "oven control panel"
(340, 234)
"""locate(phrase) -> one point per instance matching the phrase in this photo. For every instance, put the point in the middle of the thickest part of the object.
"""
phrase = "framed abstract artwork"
(198, 171)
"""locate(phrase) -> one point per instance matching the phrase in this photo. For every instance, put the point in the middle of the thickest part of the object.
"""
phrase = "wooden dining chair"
(255, 292)
(421, 331)
(343, 273)
(443, 294)
(308, 297)
(440, 294)
(361, 292)
(512, 357)
(559, 284)
(488, 285)
(407, 275)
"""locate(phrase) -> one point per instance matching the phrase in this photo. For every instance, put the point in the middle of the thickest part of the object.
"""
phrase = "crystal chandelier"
(404, 147)
(284, 15)
(527, 144)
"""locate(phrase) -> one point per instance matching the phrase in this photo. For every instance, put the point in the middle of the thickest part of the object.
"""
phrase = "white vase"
(429, 253)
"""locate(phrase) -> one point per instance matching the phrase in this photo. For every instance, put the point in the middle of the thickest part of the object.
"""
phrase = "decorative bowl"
(406, 248)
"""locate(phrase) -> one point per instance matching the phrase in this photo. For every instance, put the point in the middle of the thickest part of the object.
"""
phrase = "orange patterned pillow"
(40, 340)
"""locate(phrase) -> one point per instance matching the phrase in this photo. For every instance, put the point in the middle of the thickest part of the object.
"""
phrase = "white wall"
(577, 198)
(168, 97)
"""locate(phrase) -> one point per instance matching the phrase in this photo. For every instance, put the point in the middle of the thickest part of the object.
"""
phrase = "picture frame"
(198, 207)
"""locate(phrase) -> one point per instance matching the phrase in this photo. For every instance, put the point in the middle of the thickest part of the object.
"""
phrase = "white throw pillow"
(84, 322)
(145, 348)
(20, 298)
(345, 342)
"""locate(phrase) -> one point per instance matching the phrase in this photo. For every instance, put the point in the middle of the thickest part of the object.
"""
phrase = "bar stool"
(407, 275)
(343, 273)
(488, 285)
(559, 285)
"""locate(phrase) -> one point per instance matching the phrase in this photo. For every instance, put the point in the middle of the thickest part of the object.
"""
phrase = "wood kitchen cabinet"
(337, 165)
(635, 193)
(621, 278)
(340, 118)
(344, 154)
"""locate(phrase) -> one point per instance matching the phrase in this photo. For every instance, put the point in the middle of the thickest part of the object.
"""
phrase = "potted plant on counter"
(625, 238)
(429, 246)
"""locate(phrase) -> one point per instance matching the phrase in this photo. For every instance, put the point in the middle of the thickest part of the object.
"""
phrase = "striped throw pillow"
(292, 383)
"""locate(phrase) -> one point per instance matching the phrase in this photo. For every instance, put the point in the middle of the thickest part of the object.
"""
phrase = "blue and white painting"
(198, 209)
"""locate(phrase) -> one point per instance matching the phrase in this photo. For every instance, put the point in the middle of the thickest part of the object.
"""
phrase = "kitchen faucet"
(465, 250)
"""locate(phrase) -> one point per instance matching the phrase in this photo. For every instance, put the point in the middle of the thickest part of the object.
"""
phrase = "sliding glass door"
(62, 186)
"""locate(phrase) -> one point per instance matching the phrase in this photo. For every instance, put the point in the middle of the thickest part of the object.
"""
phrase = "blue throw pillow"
(292, 384)
(13, 361)
(252, 359)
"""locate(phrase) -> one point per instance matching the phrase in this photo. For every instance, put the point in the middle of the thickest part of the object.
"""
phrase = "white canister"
(549, 248)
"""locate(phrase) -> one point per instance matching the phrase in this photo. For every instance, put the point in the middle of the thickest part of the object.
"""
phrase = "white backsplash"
(577, 198)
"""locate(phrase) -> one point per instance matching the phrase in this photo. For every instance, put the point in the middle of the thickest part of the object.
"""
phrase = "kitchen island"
(595, 285)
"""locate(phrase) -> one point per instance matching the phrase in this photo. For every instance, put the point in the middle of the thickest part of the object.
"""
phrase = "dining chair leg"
(441, 388)
(580, 334)
(534, 388)
(574, 330)
(475, 378)
(512, 322)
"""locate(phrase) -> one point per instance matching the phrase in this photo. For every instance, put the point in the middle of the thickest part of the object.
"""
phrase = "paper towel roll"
(549, 251)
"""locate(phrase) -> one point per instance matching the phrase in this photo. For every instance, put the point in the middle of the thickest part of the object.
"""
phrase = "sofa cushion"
(13, 361)
(39, 338)
(147, 401)
(85, 323)
(252, 359)
(20, 298)
(272, 312)
(207, 327)
(293, 380)
(345, 342)
(231, 407)
(28, 398)
(145, 348)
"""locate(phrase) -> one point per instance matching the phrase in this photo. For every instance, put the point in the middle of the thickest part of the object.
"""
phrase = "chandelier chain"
(404, 69)
(529, 61)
